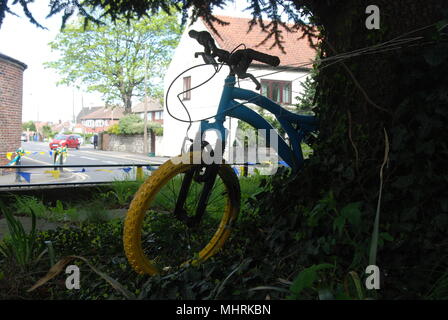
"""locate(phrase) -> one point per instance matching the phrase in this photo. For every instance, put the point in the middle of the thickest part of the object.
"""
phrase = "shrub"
(114, 129)
(131, 124)
(156, 128)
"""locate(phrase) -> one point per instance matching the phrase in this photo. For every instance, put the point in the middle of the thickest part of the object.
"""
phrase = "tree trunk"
(393, 98)
(127, 102)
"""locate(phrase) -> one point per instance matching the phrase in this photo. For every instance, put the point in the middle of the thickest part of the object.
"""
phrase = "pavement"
(26, 223)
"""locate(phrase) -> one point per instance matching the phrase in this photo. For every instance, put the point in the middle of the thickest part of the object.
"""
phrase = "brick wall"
(11, 85)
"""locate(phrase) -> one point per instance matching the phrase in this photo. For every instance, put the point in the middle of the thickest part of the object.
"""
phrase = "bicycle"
(200, 202)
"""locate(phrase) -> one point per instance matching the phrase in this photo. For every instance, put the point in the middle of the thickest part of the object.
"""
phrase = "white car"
(23, 137)
(80, 139)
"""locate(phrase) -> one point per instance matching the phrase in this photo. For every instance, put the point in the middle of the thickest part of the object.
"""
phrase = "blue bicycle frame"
(229, 107)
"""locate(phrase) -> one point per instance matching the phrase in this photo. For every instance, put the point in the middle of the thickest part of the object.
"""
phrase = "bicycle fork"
(208, 178)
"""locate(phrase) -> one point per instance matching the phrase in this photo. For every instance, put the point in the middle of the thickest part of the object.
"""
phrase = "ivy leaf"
(306, 278)
(386, 236)
(352, 213)
(339, 223)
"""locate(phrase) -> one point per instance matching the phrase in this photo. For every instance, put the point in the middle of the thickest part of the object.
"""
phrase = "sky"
(43, 100)
(21, 40)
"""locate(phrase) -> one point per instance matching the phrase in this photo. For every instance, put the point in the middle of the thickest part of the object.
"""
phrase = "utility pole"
(73, 106)
(145, 119)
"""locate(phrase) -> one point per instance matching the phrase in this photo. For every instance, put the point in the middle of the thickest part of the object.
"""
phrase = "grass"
(20, 245)
(122, 191)
(29, 205)
(165, 199)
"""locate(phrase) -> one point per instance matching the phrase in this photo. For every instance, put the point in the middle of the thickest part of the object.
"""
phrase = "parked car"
(23, 137)
(62, 140)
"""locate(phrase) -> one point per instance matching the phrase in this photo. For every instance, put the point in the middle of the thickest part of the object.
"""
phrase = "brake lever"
(251, 76)
(208, 59)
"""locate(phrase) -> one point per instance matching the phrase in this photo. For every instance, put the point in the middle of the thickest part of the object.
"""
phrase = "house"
(153, 108)
(281, 84)
(62, 126)
(85, 111)
(101, 119)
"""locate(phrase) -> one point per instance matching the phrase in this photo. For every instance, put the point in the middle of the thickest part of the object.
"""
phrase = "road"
(86, 155)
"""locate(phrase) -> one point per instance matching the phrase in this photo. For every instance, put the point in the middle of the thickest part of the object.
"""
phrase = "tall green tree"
(115, 58)
(47, 132)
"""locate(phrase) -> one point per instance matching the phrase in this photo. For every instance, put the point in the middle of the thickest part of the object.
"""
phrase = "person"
(95, 141)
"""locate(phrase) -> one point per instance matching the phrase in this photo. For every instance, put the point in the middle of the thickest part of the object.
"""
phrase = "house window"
(186, 91)
(158, 115)
(279, 91)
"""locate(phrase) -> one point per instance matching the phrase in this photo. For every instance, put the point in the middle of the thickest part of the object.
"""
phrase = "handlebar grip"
(204, 38)
(263, 57)
(194, 34)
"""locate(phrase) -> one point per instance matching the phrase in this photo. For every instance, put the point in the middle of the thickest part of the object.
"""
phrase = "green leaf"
(386, 236)
(306, 278)
(339, 223)
(353, 213)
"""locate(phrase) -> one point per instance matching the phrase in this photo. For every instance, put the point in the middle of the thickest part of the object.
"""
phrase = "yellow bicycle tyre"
(146, 194)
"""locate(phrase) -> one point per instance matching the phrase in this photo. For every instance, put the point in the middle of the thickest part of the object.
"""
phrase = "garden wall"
(128, 143)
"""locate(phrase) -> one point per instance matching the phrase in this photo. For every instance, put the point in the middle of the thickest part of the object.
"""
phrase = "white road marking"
(95, 159)
(47, 163)
(119, 157)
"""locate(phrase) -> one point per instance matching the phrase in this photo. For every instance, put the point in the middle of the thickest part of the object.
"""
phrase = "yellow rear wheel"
(155, 240)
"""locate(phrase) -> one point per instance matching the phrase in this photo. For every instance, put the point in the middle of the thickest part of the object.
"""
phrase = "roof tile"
(105, 113)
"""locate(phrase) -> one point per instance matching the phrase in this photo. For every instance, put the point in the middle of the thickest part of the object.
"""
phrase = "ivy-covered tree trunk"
(395, 100)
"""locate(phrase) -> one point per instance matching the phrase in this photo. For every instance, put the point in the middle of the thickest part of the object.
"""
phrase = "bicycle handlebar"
(206, 40)
(263, 57)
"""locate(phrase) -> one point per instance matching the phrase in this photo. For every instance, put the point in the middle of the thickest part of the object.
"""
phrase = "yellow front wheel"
(155, 239)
